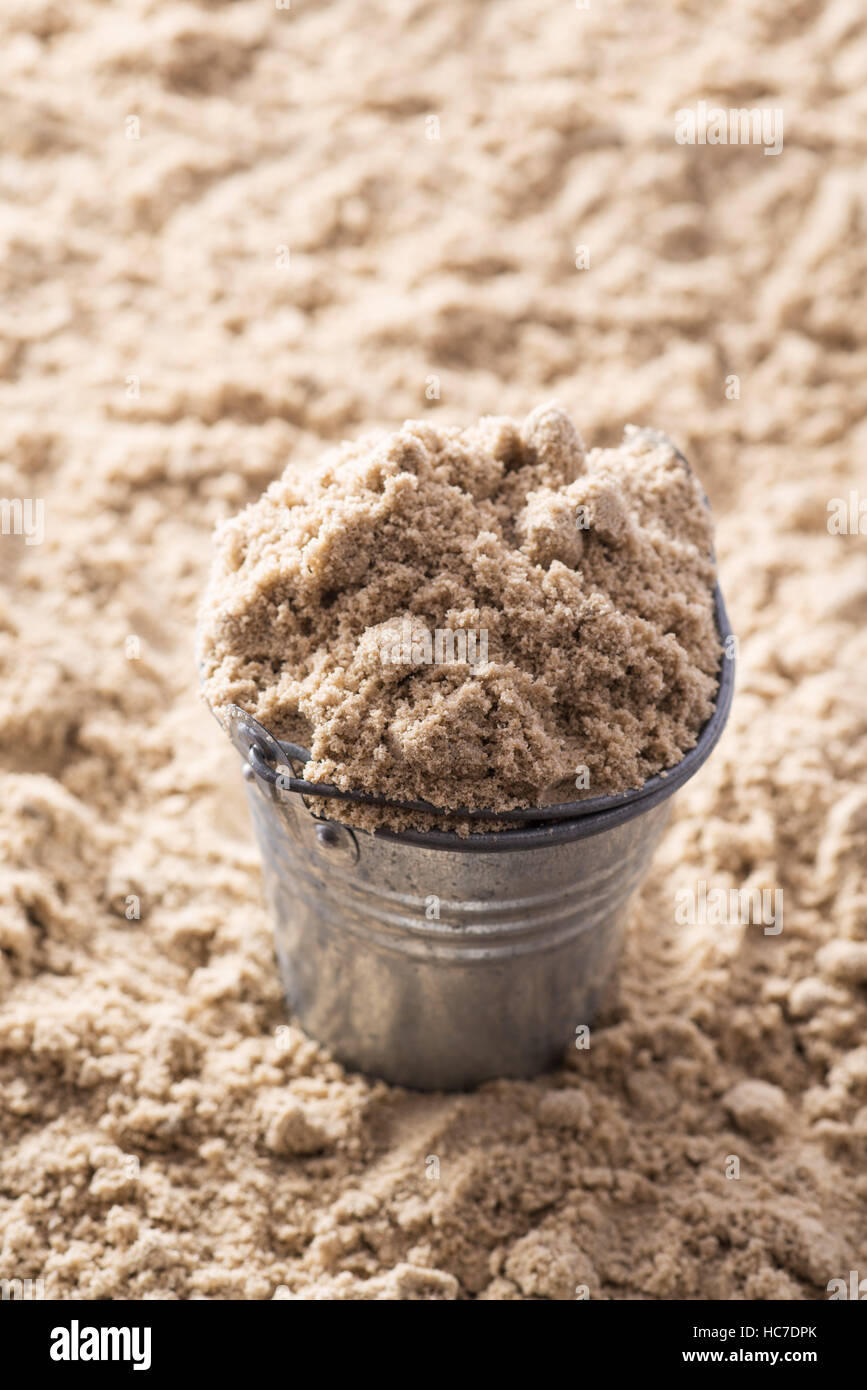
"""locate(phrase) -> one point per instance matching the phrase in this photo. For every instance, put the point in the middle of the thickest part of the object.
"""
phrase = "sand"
(480, 618)
(166, 1131)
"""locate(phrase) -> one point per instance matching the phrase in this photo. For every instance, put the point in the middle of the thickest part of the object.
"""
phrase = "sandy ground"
(166, 1133)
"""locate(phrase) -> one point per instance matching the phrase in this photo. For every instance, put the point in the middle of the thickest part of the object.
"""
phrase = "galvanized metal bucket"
(439, 961)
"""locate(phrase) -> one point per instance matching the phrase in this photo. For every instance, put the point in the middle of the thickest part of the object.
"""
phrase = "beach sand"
(334, 218)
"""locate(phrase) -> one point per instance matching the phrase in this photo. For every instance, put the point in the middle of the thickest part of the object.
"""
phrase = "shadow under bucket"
(528, 929)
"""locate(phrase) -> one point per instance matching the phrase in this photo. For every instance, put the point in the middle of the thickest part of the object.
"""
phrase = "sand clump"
(587, 577)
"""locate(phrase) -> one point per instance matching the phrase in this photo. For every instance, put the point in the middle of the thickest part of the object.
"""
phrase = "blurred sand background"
(166, 1132)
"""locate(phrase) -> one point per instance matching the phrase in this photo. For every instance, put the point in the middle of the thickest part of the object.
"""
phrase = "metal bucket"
(438, 961)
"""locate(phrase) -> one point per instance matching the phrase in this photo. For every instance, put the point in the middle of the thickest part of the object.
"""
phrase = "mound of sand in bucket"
(480, 618)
